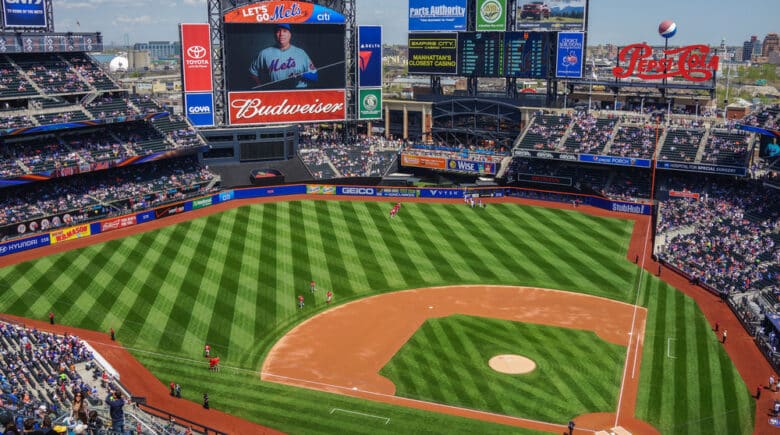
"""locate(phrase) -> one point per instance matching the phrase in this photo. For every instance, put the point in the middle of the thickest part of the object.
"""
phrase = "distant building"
(771, 44)
(160, 49)
(747, 48)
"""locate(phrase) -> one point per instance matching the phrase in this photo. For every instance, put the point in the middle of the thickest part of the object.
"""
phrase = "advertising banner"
(615, 160)
(25, 13)
(15, 246)
(223, 197)
(168, 210)
(399, 192)
(683, 194)
(692, 63)
(423, 162)
(75, 232)
(370, 56)
(437, 15)
(441, 193)
(201, 203)
(283, 12)
(569, 56)
(471, 166)
(196, 57)
(543, 179)
(115, 224)
(200, 109)
(370, 104)
(260, 192)
(320, 189)
(286, 107)
(698, 167)
(433, 53)
(491, 15)
(526, 54)
(144, 217)
(546, 155)
(550, 15)
(357, 191)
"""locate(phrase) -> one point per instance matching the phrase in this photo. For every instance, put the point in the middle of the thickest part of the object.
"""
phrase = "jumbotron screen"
(284, 63)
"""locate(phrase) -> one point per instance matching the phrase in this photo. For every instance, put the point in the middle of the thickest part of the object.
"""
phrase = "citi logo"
(196, 52)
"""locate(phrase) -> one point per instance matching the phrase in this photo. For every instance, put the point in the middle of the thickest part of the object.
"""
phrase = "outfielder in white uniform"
(283, 62)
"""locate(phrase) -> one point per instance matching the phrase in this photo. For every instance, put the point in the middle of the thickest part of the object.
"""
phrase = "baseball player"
(284, 65)
(312, 286)
(300, 302)
(329, 297)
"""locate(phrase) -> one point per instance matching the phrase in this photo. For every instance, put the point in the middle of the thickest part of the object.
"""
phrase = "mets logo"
(491, 11)
(570, 59)
(196, 52)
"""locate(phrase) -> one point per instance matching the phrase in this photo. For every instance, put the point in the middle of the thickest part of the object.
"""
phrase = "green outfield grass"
(231, 279)
(446, 361)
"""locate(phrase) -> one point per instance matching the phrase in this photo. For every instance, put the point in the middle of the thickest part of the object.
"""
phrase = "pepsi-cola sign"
(690, 63)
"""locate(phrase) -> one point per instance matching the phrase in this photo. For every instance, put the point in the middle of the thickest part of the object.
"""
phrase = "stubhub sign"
(200, 109)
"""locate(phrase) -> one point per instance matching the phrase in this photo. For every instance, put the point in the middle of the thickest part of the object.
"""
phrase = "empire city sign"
(689, 62)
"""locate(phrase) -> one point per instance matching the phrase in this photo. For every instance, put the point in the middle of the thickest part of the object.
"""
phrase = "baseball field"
(231, 280)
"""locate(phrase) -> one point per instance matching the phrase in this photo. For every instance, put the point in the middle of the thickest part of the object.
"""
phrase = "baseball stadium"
(301, 252)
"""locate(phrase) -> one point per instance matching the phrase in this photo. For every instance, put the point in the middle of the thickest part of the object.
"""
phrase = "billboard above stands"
(370, 56)
(550, 14)
(196, 57)
(698, 167)
(569, 57)
(370, 104)
(689, 63)
(491, 15)
(307, 56)
(433, 53)
(283, 12)
(282, 107)
(286, 64)
(437, 15)
(25, 13)
(200, 109)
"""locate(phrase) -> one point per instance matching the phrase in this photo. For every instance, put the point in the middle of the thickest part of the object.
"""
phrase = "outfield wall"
(83, 230)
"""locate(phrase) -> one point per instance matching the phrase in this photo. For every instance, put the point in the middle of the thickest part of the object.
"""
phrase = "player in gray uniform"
(284, 65)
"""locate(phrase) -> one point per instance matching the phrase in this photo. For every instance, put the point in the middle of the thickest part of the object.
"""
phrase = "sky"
(616, 21)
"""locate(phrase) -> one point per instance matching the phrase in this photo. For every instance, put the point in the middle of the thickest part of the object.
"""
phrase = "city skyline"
(610, 21)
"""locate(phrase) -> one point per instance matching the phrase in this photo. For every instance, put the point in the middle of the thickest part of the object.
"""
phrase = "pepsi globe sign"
(667, 28)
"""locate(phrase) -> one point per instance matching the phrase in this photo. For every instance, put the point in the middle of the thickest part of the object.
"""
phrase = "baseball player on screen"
(282, 66)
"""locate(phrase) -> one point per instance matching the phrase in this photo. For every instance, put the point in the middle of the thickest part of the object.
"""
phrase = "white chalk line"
(387, 420)
(669, 347)
(353, 390)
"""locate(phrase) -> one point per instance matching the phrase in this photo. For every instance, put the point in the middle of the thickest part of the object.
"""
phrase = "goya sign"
(691, 63)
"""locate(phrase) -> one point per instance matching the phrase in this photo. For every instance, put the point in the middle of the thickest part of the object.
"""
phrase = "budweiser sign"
(690, 63)
(286, 106)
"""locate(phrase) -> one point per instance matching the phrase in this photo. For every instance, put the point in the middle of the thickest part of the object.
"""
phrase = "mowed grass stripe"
(243, 332)
(434, 240)
(317, 252)
(221, 321)
(337, 266)
(427, 269)
(453, 234)
(369, 263)
(406, 266)
(286, 300)
(344, 222)
(570, 259)
(299, 253)
(198, 240)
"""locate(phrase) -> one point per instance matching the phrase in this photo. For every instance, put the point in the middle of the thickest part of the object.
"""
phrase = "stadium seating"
(681, 144)
(637, 141)
(589, 134)
(545, 132)
(51, 74)
(727, 148)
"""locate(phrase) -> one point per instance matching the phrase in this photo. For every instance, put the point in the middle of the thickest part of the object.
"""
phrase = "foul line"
(352, 390)
(669, 347)
(387, 420)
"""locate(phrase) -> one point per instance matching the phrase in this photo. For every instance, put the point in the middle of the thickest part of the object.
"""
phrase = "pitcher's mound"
(512, 364)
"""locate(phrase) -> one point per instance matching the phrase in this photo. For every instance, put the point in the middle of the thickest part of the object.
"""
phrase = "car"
(535, 10)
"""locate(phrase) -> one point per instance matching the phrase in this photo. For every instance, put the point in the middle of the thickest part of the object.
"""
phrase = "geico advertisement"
(196, 57)
(285, 107)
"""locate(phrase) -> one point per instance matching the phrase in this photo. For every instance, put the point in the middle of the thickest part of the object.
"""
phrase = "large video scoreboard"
(481, 54)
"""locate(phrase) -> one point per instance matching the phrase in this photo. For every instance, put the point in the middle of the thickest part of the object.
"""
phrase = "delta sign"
(692, 63)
